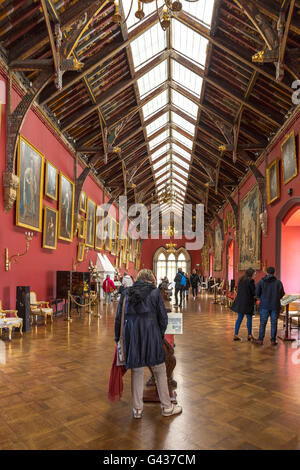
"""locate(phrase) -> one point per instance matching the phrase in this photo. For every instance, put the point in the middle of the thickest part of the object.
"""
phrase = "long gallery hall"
(150, 225)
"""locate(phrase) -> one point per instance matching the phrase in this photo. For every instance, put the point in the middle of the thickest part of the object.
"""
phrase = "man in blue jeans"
(269, 290)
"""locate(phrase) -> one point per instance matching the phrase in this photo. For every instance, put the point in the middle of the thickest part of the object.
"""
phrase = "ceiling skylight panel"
(182, 152)
(159, 152)
(154, 105)
(180, 162)
(157, 124)
(184, 173)
(152, 79)
(160, 138)
(183, 123)
(162, 170)
(148, 44)
(147, 9)
(189, 43)
(201, 10)
(185, 104)
(180, 179)
(181, 138)
(186, 78)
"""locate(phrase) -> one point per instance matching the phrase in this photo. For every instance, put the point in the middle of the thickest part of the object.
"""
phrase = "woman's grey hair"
(146, 275)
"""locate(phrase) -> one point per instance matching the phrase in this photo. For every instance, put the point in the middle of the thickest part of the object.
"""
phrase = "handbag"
(120, 344)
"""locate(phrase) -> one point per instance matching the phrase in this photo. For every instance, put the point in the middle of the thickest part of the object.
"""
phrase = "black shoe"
(273, 342)
(180, 305)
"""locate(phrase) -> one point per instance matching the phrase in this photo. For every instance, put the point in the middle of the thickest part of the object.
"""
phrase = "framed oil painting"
(250, 231)
(50, 228)
(107, 244)
(80, 252)
(66, 208)
(289, 158)
(82, 202)
(51, 180)
(113, 236)
(99, 228)
(82, 228)
(90, 223)
(273, 184)
(30, 190)
(218, 248)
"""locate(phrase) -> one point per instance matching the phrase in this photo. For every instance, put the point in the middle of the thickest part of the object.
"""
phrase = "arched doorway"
(167, 264)
(288, 245)
(230, 261)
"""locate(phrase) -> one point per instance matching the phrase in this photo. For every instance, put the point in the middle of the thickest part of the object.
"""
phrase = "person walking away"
(195, 281)
(127, 281)
(145, 324)
(244, 303)
(179, 285)
(187, 286)
(269, 290)
(108, 286)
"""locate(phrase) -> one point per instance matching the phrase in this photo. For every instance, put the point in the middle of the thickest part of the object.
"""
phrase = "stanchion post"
(69, 318)
(286, 336)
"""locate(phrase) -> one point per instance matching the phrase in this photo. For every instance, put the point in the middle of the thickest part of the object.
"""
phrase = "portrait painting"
(218, 248)
(99, 228)
(273, 185)
(51, 181)
(289, 158)
(250, 231)
(66, 208)
(30, 190)
(50, 228)
(90, 223)
(82, 202)
(80, 252)
(107, 228)
(113, 236)
(82, 228)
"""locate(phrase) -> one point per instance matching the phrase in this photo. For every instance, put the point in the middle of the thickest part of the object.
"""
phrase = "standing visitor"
(269, 290)
(108, 287)
(244, 303)
(127, 280)
(179, 286)
(187, 286)
(145, 324)
(195, 282)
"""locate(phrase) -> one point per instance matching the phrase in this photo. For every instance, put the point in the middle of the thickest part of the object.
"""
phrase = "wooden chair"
(9, 320)
(40, 308)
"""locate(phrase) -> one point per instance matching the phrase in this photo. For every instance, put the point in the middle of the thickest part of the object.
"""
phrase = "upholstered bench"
(10, 322)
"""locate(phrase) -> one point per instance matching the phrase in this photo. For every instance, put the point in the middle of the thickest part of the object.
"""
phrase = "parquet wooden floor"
(53, 389)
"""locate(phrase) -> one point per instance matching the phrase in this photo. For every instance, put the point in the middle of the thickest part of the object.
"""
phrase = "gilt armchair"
(9, 320)
(40, 308)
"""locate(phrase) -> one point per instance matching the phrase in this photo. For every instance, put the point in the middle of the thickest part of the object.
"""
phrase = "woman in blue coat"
(244, 303)
(145, 323)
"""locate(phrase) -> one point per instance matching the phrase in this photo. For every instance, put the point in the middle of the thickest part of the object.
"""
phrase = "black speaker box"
(23, 306)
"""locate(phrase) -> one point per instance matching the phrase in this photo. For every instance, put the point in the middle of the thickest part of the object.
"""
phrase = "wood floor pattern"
(53, 389)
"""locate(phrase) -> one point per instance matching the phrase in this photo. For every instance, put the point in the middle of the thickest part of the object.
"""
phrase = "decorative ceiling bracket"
(15, 121)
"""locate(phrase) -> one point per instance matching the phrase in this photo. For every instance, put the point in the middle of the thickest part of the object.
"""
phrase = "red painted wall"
(38, 268)
(290, 248)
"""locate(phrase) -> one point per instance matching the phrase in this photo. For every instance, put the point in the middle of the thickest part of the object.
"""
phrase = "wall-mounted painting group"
(59, 224)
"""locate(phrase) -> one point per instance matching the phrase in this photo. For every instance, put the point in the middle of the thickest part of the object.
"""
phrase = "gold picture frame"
(289, 158)
(82, 228)
(50, 228)
(99, 228)
(273, 183)
(80, 252)
(83, 202)
(250, 230)
(29, 206)
(90, 223)
(51, 187)
(65, 208)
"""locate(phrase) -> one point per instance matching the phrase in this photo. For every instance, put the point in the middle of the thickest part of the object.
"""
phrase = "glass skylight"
(189, 43)
(157, 103)
(185, 104)
(202, 10)
(152, 79)
(184, 173)
(157, 124)
(159, 152)
(160, 138)
(186, 78)
(182, 152)
(180, 161)
(148, 44)
(183, 123)
(147, 9)
(181, 138)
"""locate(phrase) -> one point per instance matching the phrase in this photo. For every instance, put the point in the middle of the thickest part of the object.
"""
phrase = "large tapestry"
(218, 248)
(30, 190)
(250, 232)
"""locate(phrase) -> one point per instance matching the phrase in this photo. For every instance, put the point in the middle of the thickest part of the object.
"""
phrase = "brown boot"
(236, 338)
(250, 338)
(258, 341)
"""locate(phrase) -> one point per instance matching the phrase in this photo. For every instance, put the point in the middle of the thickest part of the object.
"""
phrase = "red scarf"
(115, 387)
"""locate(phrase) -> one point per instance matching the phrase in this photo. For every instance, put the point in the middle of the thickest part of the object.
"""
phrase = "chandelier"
(170, 8)
(168, 195)
(171, 247)
(170, 231)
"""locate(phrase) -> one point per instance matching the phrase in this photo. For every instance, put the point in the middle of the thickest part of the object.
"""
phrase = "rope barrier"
(81, 305)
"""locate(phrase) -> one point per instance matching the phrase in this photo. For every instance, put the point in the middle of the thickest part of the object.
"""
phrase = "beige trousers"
(137, 386)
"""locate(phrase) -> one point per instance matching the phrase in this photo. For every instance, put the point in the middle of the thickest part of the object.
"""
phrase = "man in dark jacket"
(179, 286)
(195, 281)
(269, 290)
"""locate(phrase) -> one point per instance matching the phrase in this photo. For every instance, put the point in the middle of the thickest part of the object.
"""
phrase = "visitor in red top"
(108, 287)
